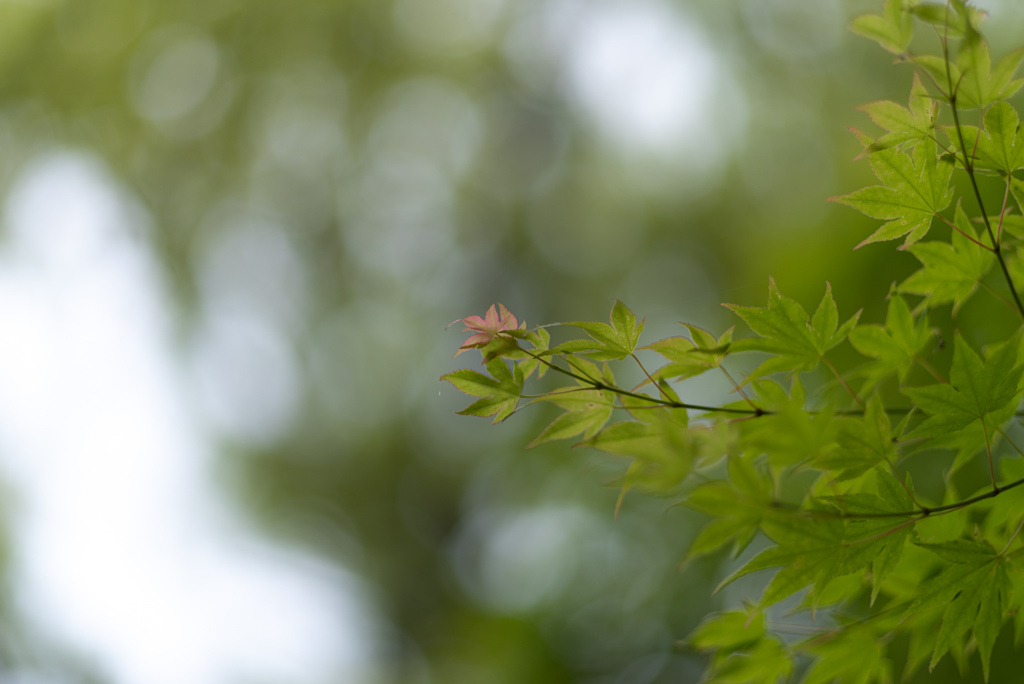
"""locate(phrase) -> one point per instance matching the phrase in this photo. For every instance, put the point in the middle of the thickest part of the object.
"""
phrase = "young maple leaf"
(892, 29)
(486, 328)
(915, 189)
(903, 125)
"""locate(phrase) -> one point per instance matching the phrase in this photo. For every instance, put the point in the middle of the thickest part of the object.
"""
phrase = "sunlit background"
(231, 236)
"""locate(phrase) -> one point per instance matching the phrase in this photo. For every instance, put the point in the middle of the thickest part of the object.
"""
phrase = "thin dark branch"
(920, 513)
(969, 167)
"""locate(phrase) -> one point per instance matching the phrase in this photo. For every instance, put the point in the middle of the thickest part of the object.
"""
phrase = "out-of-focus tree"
(327, 183)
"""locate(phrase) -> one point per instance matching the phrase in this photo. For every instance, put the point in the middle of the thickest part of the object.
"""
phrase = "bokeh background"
(232, 233)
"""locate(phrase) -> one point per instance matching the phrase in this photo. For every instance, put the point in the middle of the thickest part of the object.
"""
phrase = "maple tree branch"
(555, 393)
(919, 513)
(754, 412)
(600, 385)
(969, 167)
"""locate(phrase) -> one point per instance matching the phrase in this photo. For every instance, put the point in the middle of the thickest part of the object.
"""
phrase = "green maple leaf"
(629, 438)
(768, 662)
(962, 559)
(914, 191)
(498, 395)
(662, 452)
(727, 632)
(982, 83)
(999, 147)
(877, 543)
(788, 434)
(586, 412)
(940, 71)
(976, 388)
(954, 20)
(808, 551)
(894, 346)
(892, 29)
(951, 271)
(528, 362)
(968, 441)
(816, 551)
(888, 550)
(904, 125)
(1017, 190)
(862, 443)
(1002, 142)
(736, 506)
(607, 342)
(688, 358)
(856, 657)
(796, 341)
(974, 587)
(1012, 224)
(1008, 509)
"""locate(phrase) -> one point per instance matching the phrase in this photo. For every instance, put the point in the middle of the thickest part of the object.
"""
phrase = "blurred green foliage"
(355, 174)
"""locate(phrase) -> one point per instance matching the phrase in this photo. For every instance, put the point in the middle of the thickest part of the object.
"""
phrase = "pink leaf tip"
(495, 321)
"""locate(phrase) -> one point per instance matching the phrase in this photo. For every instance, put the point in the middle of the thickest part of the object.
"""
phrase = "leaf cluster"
(819, 482)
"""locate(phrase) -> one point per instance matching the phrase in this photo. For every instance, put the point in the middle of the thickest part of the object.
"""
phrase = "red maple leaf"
(485, 329)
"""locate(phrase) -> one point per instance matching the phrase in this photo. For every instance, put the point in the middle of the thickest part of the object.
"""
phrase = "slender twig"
(957, 229)
(598, 384)
(931, 369)
(988, 448)
(1010, 441)
(969, 168)
(842, 629)
(1002, 212)
(1006, 548)
(903, 483)
(842, 381)
(558, 392)
(1004, 300)
(737, 387)
(977, 138)
(756, 412)
(922, 512)
(660, 388)
(740, 420)
(883, 534)
(893, 410)
(946, 148)
(790, 628)
(913, 60)
(576, 368)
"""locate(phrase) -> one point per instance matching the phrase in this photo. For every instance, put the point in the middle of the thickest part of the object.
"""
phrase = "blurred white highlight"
(121, 549)
(644, 73)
